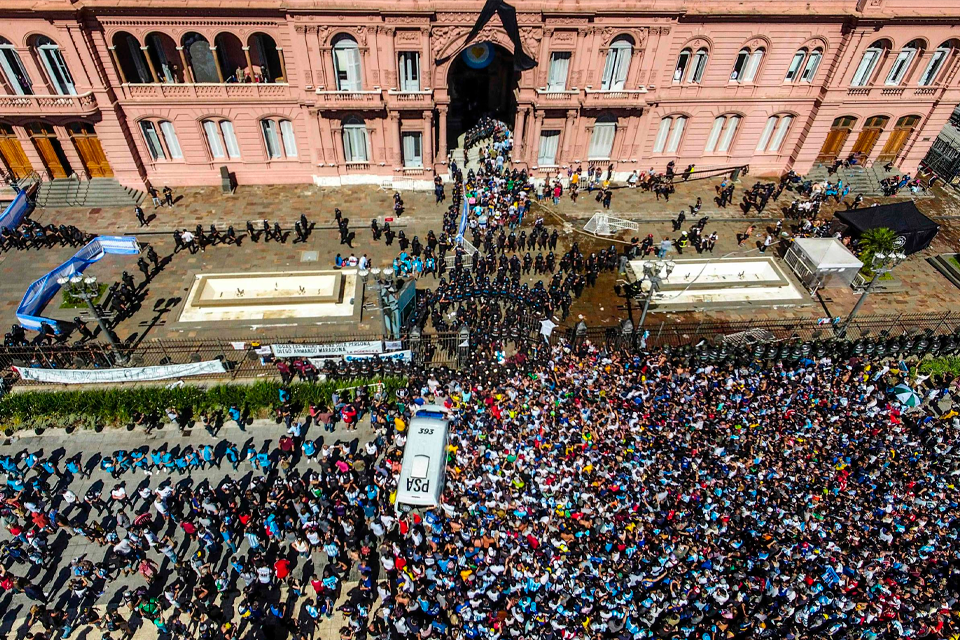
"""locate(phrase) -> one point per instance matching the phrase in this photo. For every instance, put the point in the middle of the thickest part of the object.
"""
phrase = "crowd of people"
(589, 494)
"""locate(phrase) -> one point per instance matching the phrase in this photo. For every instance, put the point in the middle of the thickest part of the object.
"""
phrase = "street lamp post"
(881, 263)
(653, 275)
(87, 289)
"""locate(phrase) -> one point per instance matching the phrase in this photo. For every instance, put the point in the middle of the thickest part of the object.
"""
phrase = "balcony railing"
(859, 91)
(40, 105)
(185, 91)
(409, 99)
(619, 98)
(892, 91)
(926, 91)
(350, 99)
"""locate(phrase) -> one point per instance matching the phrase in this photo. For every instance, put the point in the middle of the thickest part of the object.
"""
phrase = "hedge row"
(87, 409)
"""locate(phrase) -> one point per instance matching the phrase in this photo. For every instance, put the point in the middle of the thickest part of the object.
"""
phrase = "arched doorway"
(898, 138)
(91, 151)
(868, 137)
(45, 140)
(839, 131)
(482, 82)
(11, 152)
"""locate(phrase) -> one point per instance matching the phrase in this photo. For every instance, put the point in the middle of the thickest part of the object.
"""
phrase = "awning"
(827, 253)
(914, 230)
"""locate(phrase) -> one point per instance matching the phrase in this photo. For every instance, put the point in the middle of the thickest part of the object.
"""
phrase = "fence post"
(166, 356)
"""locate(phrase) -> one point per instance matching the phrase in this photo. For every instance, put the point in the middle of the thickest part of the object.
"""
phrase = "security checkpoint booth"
(822, 262)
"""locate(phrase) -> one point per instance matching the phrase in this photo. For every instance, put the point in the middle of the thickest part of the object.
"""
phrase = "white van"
(424, 460)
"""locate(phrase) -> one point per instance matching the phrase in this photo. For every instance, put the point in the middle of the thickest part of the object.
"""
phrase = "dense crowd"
(589, 494)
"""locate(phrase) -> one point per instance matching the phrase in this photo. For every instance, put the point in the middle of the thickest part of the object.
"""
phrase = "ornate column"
(187, 70)
(153, 70)
(116, 62)
(568, 133)
(533, 147)
(283, 64)
(427, 139)
(518, 133)
(337, 131)
(395, 143)
(442, 132)
(216, 63)
(249, 69)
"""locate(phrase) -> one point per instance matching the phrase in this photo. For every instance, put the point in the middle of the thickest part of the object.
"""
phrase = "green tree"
(874, 241)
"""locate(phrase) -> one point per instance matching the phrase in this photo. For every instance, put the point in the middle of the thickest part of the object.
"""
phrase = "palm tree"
(874, 241)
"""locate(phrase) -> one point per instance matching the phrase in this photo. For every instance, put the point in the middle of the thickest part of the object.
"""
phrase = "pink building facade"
(340, 93)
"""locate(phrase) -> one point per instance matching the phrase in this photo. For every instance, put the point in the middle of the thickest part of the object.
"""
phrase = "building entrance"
(482, 82)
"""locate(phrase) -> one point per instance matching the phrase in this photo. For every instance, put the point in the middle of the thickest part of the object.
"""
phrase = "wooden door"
(11, 152)
(90, 150)
(865, 142)
(45, 140)
(895, 143)
(832, 145)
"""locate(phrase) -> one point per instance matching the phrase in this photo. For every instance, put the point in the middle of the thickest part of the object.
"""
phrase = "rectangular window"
(355, 143)
(865, 68)
(170, 137)
(230, 139)
(559, 66)
(413, 149)
(766, 133)
(213, 139)
(601, 143)
(662, 133)
(781, 133)
(289, 140)
(676, 135)
(271, 138)
(714, 134)
(409, 71)
(153, 140)
(57, 71)
(549, 143)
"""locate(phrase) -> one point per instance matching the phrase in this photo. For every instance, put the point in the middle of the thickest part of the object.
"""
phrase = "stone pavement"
(66, 547)
(923, 289)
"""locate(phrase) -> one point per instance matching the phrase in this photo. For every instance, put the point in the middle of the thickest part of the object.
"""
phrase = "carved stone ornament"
(361, 35)
(408, 37)
(564, 38)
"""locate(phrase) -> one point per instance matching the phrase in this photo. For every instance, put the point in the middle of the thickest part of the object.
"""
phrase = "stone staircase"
(470, 159)
(97, 192)
(865, 180)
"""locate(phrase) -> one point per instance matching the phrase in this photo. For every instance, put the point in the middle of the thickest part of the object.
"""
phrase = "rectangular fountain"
(272, 295)
(723, 283)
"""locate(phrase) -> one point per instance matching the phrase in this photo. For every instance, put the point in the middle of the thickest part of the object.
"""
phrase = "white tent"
(823, 262)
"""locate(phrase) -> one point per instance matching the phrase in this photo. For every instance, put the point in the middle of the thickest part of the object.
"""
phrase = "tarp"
(827, 253)
(129, 374)
(41, 291)
(15, 211)
(914, 230)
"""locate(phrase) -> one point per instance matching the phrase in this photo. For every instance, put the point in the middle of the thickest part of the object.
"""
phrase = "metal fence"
(455, 349)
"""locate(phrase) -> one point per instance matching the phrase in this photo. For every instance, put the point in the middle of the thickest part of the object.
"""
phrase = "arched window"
(902, 63)
(670, 134)
(346, 64)
(929, 75)
(267, 58)
(617, 65)
(60, 79)
(131, 63)
(161, 139)
(721, 135)
(774, 133)
(203, 66)
(15, 75)
(601, 141)
(221, 138)
(795, 64)
(162, 51)
(745, 68)
(868, 64)
(813, 63)
(698, 66)
(355, 140)
(682, 61)
(279, 139)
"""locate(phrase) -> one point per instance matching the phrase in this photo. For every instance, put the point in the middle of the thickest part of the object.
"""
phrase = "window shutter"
(230, 139)
(170, 137)
(213, 139)
(766, 133)
(714, 134)
(289, 139)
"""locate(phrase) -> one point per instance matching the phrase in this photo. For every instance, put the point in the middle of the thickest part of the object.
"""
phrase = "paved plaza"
(920, 288)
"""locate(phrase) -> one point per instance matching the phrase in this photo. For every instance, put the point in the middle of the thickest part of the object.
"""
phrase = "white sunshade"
(827, 253)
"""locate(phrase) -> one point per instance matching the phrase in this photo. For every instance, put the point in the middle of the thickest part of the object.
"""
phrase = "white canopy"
(826, 254)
